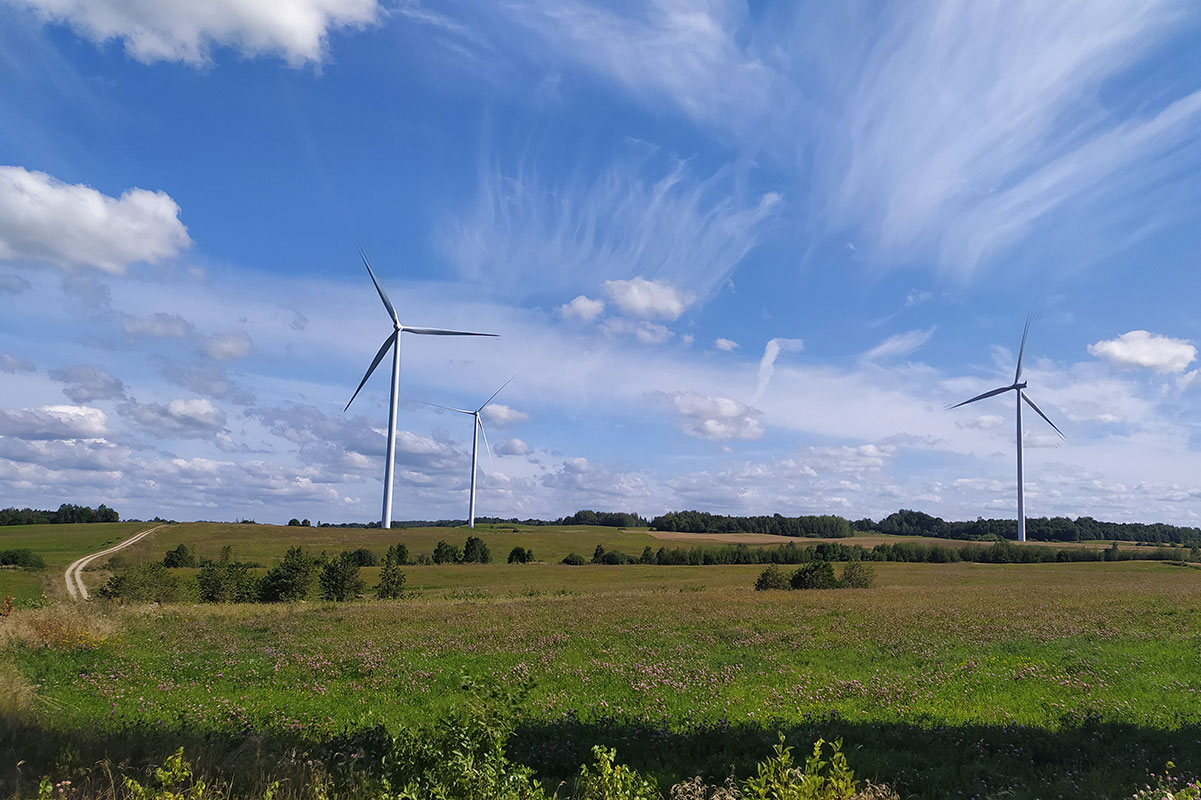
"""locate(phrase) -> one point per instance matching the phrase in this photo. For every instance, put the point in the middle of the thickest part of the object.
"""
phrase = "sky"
(740, 256)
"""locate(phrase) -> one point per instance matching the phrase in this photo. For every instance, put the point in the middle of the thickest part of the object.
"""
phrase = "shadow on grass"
(1086, 759)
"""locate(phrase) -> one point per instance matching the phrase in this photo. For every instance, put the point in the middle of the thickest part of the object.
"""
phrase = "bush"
(22, 557)
(340, 579)
(476, 552)
(520, 555)
(815, 575)
(446, 553)
(607, 780)
(771, 578)
(399, 554)
(179, 557)
(858, 575)
(226, 582)
(391, 580)
(143, 583)
(363, 557)
(820, 779)
(292, 578)
(574, 559)
(648, 555)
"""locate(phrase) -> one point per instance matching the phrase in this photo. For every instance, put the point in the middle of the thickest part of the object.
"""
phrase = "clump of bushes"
(181, 556)
(573, 560)
(292, 578)
(817, 575)
(144, 583)
(227, 582)
(520, 555)
(391, 579)
(340, 578)
(21, 558)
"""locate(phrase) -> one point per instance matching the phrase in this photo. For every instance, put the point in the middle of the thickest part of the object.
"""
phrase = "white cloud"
(159, 325)
(982, 422)
(228, 346)
(210, 380)
(54, 422)
(180, 30)
(512, 447)
(87, 384)
(500, 415)
(13, 364)
(13, 284)
(646, 332)
(917, 296)
(1147, 350)
(645, 299)
(191, 418)
(43, 219)
(582, 308)
(708, 417)
(728, 345)
(901, 344)
(767, 364)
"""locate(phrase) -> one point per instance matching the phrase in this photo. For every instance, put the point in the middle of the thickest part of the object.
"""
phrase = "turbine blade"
(380, 289)
(1017, 376)
(494, 394)
(981, 397)
(487, 447)
(442, 332)
(1039, 411)
(447, 408)
(378, 358)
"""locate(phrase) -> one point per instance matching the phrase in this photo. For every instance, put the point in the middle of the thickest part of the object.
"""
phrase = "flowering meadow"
(945, 680)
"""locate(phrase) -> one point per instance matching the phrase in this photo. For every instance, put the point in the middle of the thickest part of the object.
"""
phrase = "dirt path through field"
(74, 575)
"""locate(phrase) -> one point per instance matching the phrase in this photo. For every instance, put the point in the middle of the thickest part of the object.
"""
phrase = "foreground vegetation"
(1035, 680)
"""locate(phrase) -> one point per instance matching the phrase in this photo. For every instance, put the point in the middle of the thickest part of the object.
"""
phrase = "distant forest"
(825, 526)
(611, 519)
(1047, 529)
(66, 514)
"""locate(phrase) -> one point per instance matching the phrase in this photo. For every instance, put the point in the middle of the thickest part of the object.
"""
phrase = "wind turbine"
(1018, 386)
(393, 343)
(476, 429)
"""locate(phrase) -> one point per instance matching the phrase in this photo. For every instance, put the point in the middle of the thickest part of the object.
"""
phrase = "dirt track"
(74, 574)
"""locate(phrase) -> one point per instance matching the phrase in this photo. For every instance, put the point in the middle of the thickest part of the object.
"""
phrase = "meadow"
(973, 680)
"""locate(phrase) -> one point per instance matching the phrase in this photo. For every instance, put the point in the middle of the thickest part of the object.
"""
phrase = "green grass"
(990, 680)
(59, 545)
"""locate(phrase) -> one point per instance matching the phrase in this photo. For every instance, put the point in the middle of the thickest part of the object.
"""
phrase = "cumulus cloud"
(578, 476)
(512, 447)
(583, 309)
(1137, 349)
(13, 284)
(728, 345)
(708, 417)
(228, 346)
(179, 30)
(87, 384)
(500, 415)
(767, 364)
(901, 344)
(645, 299)
(195, 418)
(159, 325)
(54, 422)
(982, 422)
(14, 364)
(210, 380)
(44, 219)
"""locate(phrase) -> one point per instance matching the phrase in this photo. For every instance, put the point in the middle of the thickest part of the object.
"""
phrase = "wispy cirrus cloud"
(897, 345)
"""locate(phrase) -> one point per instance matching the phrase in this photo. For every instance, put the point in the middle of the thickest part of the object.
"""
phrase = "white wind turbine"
(1019, 387)
(477, 428)
(393, 343)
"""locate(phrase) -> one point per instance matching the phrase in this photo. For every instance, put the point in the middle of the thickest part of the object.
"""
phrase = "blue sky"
(741, 256)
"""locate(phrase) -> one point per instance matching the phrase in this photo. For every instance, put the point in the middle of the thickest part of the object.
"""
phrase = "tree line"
(826, 526)
(610, 519)
(1047, 529)
(66, 514)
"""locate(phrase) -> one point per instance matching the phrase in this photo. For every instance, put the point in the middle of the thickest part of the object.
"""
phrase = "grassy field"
(1073, 680)
(58, 545)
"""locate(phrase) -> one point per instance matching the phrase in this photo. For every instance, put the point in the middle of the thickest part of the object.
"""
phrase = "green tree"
(293, 578)
(598, 554)
(340, 578)
(814, 575)
(858, 575)
(399, 554)
(179, 557)
(520, 555)
(574, 559)
(226, 582)
(648, 555)
(446, 553)
(293, 523)
(771, 578)
(391, 580)
(475, 551)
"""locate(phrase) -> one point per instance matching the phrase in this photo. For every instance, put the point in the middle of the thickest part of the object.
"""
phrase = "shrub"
(340, 578)
(22, 557)
(143, 583)
(771, 578)
(648, 556)
(615, 557)
(598, 554)
(476, 552)
(227, 582)
(607, 780)
(363, 557)
(179, 557)
(574, 559)
(293, 523)
(292, 578)
(815, 575)
(520, 555)
(858, 575)
(446, 553)
(399, 554)
(820, 779)
(391, 580)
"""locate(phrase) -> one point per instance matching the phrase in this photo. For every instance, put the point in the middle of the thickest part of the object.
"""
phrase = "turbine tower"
(1018, 386)
(393, 343)
(477, 428)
